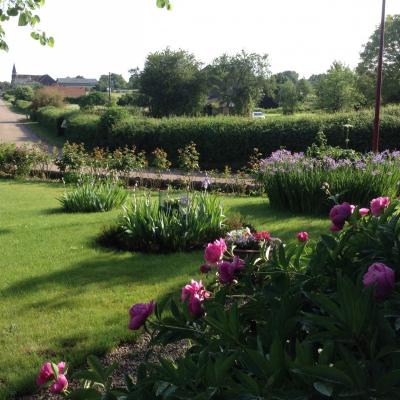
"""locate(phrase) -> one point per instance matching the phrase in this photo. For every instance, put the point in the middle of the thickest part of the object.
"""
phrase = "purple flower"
(227, 270)
(382, 277)
(215, 251)
(46, 372)
(205, 269)
(60, 385)
(139, 314)
(196, 293)
(378, 205)
(339, 215)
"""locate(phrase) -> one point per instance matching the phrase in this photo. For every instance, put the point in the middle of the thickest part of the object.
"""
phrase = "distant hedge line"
(227, 140)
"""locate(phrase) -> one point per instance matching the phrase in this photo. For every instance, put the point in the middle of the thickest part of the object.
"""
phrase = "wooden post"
(375, 136)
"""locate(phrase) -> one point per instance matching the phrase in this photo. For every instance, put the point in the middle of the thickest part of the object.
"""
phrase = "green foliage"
(72, 159)
(238, 81)
(230, 140)
(369, 60)
(173, 83)
(94, 196)
(189, 158)
(47, 96)
(111, 117)
(337, 90)
(129, 99)
(117, 82)
(160, 160)
(93, 99)
(15, 161)
(298, 324)
(24, 93)
(23, 105)
(169, 225)
(288, 97)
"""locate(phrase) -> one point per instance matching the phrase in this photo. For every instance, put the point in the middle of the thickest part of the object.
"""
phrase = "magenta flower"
(139, 314)
(364, 211)
(339, 215)
(205, 269)
(46, 372)
(378, 205)
(227, 270)
(195, 293)
(302, 236)
(215, 251)
(60, 385)
(382, 277)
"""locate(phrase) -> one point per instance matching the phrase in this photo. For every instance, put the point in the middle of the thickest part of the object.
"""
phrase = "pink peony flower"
(139, 314)
(382, 277)
(302, 236)
(215, 251)
(46, 372)
(378, 205)
(196, 294)
(364, 211)
(60, 385)
(205, 269)
(227, 270)
(259, 236)
(339, 215)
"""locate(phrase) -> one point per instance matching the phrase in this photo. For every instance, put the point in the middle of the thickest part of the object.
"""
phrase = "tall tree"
(288, 97)
(173, 83)
(117, 82)
(337, 90)
(239, 80)
(391, 67)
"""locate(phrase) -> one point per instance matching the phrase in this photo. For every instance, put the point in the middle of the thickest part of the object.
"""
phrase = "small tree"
(93, 99)
(288, 97)
(24, 93)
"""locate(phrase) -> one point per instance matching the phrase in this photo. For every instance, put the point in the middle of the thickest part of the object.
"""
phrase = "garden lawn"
(62, 297)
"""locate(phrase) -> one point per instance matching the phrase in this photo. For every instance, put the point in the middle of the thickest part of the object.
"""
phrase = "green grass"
(61, 297)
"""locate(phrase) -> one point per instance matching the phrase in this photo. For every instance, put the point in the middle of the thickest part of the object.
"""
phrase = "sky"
(94, 37)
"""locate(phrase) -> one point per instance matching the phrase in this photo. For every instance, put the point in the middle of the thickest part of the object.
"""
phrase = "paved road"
(14, 128)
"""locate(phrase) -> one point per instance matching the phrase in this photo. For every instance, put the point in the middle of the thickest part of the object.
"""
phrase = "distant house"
(18, 79)
(77, 82)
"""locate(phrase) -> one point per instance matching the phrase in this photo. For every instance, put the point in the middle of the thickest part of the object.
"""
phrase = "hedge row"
(228, 140)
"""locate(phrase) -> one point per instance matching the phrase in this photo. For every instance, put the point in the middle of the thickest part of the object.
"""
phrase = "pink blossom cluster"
(59, 382)
(195, 294)
(341, 213)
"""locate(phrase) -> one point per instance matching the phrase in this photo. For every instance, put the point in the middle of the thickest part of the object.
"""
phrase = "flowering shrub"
(245, 239)
(301, 183)
(312, 321)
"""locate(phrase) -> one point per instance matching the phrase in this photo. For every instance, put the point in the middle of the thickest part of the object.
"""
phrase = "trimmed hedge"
(230, 140)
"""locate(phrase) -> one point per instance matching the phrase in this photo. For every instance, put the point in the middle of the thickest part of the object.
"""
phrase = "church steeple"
(14, 74)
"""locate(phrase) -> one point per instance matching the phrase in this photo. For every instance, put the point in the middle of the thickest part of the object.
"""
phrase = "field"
(63, 297)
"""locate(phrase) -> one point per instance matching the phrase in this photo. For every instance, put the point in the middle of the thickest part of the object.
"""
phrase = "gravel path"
(14, 128)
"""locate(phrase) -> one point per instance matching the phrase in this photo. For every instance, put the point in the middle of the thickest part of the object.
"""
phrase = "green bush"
(93, 99)
(94, 196)
(309, 185)
(15, 161)
(23, 105)
(51, 117)
(152, 225)
(230, 140)
(24, 93)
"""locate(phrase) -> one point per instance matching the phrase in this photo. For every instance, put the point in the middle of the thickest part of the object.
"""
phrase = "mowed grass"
(62, 297)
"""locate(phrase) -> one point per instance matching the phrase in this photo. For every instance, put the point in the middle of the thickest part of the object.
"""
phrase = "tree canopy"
(173, 83)
(391, 68)
(117, 82)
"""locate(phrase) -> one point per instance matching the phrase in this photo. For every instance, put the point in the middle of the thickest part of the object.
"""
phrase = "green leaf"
(50, 41)
(13, 12)
(323, 388)
(23, 19)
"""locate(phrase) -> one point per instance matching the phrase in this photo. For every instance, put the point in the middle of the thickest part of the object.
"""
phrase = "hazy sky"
(97, 36)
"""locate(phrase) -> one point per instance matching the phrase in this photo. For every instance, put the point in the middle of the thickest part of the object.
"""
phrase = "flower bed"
(317, 320)
(296, 182)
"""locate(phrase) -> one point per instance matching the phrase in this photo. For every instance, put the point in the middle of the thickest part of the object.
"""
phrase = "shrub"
(23, 93)
(230, 141)
(93, 99)
(47, 96)
(151, 225)
(15, 161)
(52, 117)
(129, 99)
(189, 158)
(24, 106)
(160, 160)
(303, 184)
(311, 321)
(111, 117)
(73, 158)
(94, 196)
